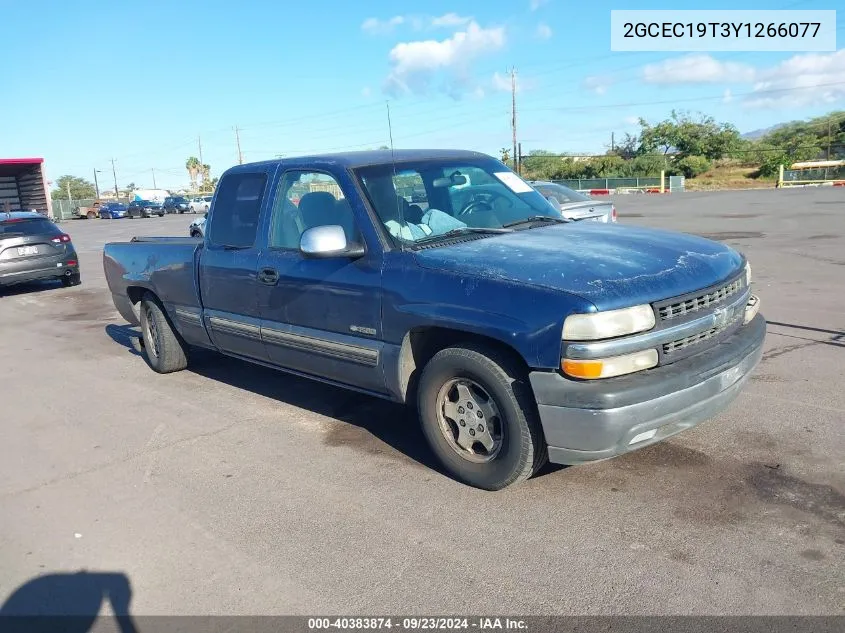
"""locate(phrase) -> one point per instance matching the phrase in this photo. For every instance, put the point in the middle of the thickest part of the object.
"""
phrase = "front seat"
(317, 209)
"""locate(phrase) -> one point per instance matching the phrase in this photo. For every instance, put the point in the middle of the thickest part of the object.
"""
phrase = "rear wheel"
(91, 215)
(71, 280)
(479, 417)
(164, 350)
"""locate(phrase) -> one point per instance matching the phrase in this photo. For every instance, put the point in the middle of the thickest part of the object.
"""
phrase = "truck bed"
(166, 265)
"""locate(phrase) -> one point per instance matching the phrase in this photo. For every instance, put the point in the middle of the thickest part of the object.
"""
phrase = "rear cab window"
(237, 210)
(25, 226)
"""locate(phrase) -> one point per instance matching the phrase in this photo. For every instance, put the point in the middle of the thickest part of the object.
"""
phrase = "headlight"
(609, 367)
(600, 325)
(747, 273)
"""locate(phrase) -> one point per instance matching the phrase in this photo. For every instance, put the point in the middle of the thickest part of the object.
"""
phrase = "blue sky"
(140, 81)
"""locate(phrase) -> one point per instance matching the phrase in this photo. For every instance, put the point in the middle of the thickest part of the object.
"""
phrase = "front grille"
(701, 302)
(700, 337)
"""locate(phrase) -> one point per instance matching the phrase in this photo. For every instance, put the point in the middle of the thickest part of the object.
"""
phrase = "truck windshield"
(424, 199)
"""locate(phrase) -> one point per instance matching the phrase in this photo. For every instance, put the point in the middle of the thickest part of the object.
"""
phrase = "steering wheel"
(482, 202)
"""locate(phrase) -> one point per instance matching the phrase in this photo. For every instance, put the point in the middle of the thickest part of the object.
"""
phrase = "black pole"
(96, 185)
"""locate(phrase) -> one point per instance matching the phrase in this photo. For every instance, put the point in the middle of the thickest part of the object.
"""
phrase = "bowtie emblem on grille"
(720, 317)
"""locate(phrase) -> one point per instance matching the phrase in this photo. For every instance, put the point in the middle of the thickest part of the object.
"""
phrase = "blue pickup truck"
(520, 336)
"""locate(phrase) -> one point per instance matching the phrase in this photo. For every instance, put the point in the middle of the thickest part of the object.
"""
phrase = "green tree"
(788, 150)
(205, 174)
(194, 167)
(689, 136)
(79, 188)
(692, 166)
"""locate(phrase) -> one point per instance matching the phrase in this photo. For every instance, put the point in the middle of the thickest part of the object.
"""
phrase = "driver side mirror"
(328, 241)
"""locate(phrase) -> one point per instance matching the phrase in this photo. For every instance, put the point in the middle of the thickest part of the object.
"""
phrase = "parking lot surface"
(234, 489)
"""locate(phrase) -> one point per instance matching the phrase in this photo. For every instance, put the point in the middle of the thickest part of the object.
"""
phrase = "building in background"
(149, 194)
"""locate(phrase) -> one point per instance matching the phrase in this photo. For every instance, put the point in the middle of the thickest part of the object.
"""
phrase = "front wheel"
(479, 417)
(163, 349)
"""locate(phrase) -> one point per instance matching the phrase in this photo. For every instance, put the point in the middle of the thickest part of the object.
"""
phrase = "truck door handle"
(268, 276)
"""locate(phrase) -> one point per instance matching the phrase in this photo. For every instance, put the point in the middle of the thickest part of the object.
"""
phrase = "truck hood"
(610, 265)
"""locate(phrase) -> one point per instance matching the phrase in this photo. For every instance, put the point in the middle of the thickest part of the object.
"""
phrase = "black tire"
(164, 350)
(71, 280)
(522, 450)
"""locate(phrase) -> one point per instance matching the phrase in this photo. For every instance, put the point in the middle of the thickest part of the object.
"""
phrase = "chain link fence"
(64, 209)
(609, 183)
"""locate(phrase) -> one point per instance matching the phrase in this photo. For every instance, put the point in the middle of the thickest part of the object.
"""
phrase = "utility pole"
(69, 197)
(199, 144)
(154, 177)
(612, 142)
(828, 139)
(238, 141)
(96, 184)
(114, 173)
(513, 118)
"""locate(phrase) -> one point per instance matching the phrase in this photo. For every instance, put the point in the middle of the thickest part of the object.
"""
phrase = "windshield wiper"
(537, 218)
(461, 231)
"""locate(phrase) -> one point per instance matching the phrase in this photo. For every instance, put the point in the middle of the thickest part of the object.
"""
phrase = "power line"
(667, 101)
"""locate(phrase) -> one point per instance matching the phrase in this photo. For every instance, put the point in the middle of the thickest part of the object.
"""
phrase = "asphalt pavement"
(233, 489)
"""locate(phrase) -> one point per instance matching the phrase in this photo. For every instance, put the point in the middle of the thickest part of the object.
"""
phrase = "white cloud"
(804, 79)
(544, 31)
(536, 4)
(598, 84)
(501, 83)
(375, 26)
(366, 92)
(449, 20)
(632, 120)
(415, 64)
(696, 69)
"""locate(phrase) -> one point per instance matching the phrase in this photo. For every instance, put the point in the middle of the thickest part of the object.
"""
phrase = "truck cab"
(518, 335)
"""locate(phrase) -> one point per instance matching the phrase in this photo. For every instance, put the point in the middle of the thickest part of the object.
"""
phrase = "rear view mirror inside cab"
(450, 181)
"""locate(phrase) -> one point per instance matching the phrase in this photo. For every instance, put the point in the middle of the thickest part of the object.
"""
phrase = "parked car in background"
(145, 209)
(520, 335)
(88, 213)
(197, 227)
(176, 204)
(574, 205)
(34, 248)
(113, 210)
(200, 204)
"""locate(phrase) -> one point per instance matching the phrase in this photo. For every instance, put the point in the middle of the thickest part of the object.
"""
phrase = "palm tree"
(194, 167)
(205, 174)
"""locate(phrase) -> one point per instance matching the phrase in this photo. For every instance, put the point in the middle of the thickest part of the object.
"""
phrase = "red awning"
(21, 161)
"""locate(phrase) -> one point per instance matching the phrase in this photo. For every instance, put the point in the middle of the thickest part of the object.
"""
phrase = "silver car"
(574, 205)
(197, 227)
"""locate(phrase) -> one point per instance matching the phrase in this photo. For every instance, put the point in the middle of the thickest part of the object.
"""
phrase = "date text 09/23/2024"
(416, 623)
